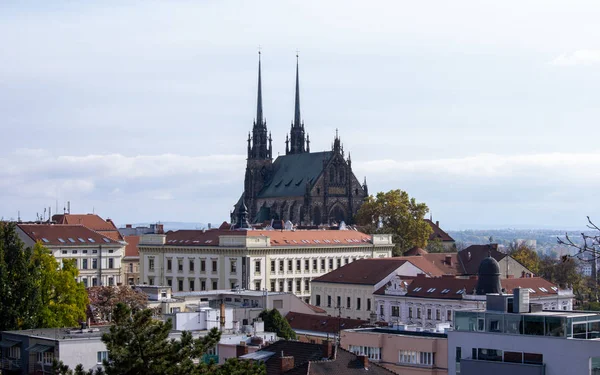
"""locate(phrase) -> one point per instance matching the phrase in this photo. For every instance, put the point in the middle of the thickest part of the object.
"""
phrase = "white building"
(348, 291)
(276, 260)
(506, 338)
(97, 257)
(425, 302)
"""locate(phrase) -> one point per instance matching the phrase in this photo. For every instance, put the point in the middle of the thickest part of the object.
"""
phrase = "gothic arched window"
(332, 175)
(341, 175)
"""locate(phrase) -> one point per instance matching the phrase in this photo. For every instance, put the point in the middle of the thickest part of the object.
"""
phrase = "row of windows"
(369, 351)
(94, 281)
(307, 265)
(357, 305)
(416, 312)
(291, 286)
(92, 264)
(416, 358)
(191, 265)
(110, 251)
(191, 283)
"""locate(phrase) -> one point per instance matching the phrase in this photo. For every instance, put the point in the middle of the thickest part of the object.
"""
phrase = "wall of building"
(561, 355)
(391, 344)
(74, 352)
(265, 275)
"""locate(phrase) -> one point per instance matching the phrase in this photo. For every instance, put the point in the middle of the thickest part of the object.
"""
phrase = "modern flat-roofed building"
(399, 349)
(514, 336)
(97, 256)
(275, 260)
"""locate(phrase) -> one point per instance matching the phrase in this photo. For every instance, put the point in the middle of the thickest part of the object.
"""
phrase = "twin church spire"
(259, 144)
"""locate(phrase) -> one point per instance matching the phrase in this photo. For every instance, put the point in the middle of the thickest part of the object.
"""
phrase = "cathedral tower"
(260, 154)
(298, 143)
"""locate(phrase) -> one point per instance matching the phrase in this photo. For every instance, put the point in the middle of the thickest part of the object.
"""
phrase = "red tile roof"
(362, 271)
(295, 238)
(65, 235)
(92, 221)
(414, 251)
(320, 323)
(432, 264)
(438, 233)
(449, 287)
(131, 250)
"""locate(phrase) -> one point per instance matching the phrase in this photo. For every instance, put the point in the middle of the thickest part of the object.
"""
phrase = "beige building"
(98, 257)
(402, 351)
(273, 260)
(348, 291)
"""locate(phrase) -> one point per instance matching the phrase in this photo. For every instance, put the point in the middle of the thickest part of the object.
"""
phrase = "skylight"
(531, 290)
(417, 289)
(91, 240)
(554, 288)
(106, 239)
(445, 291)
(45, 240)
(81, 239)
(543, 289)
(61, 240)
(430, 290)
(460, 291)
(71, 240)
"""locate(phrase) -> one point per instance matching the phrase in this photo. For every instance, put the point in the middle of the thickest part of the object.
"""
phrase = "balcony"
(474, 366)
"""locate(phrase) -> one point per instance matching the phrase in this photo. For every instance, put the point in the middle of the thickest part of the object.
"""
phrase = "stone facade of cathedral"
(306, 188)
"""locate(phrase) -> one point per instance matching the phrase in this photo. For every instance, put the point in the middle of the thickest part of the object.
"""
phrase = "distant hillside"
(545, 239)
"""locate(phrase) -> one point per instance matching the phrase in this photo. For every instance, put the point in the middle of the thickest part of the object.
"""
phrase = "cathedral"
(306, 188)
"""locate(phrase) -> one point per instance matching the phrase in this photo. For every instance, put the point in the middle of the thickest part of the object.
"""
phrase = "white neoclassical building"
(427, 301)
(98, 257)
(276, 260)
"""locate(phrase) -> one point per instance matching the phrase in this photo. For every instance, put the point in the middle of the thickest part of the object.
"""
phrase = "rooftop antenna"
(19, 216)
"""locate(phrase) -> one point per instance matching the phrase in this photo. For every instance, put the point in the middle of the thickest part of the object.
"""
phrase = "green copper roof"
(291, 172)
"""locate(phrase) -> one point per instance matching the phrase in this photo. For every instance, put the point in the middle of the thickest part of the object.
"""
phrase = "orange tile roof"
(92, 221)
(65, 235)
(131, 250)
(368, 271)
(449, 287)
(438, 233)
(278, 237)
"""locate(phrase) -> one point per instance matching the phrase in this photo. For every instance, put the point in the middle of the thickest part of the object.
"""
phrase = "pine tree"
(275, 322)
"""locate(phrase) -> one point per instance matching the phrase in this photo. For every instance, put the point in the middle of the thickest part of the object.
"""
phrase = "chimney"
(241, 349)
(128, 226)
(363, 360)
(449, 260)
(285, 363)
(437, 223)
(327, 346)
(160, 229)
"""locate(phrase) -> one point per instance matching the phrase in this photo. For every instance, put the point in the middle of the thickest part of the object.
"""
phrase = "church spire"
(260, 139)
(259, 110)
(297, 136)
(297, 102)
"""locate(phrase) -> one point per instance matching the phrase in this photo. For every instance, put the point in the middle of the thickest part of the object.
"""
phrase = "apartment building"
(273, 260)
(403, 351)
(514, 336)
(348, 290)
(98, 257)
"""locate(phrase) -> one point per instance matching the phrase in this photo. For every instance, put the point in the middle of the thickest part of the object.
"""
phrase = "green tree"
(63, 299)
(435, 246)
(19, 302)
(565, 273)
(104, 299)
(138, 344)
(396, 213)
(525, 255)
(275, 322)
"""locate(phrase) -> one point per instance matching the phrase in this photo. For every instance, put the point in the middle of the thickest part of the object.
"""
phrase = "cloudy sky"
(486, 111)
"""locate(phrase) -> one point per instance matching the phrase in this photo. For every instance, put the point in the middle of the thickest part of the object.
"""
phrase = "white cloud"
(579, 57)
(549, 166)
